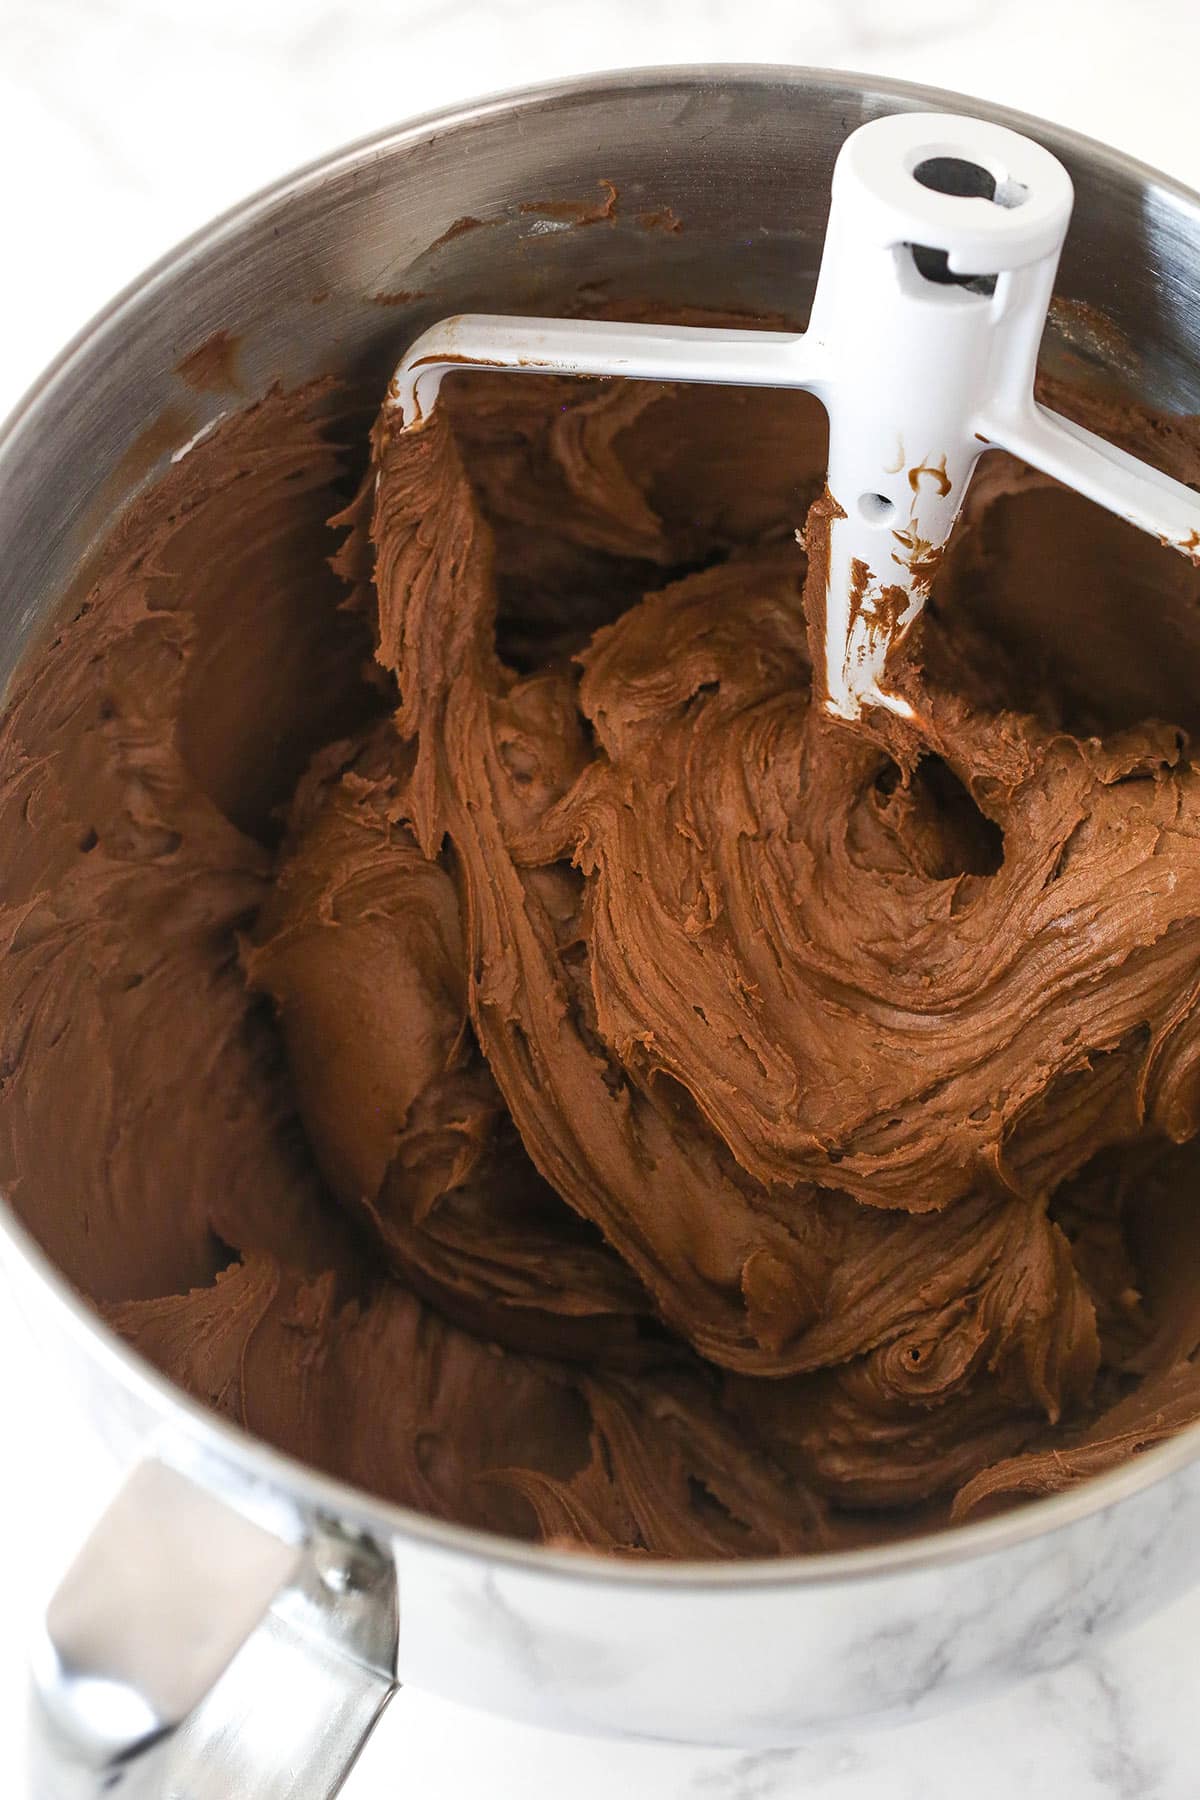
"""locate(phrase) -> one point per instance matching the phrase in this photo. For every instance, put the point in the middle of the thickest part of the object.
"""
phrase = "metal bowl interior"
(334, 269)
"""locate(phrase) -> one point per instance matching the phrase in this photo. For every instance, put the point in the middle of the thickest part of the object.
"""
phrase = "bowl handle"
(190, 1651)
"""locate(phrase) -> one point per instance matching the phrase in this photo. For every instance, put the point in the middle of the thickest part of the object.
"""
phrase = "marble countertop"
(125, 124)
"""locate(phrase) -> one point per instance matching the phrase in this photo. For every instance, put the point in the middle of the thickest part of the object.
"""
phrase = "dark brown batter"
(550, 1074)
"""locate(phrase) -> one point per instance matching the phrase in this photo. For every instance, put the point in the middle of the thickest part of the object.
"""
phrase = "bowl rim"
(289, 1477)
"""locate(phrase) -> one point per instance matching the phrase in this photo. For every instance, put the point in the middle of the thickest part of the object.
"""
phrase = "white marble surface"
(124, 124)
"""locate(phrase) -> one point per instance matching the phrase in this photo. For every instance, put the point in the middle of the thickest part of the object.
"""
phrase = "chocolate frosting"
(471, 1017)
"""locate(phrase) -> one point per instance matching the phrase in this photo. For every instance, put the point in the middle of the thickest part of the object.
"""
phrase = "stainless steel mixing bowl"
(220, 1548)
